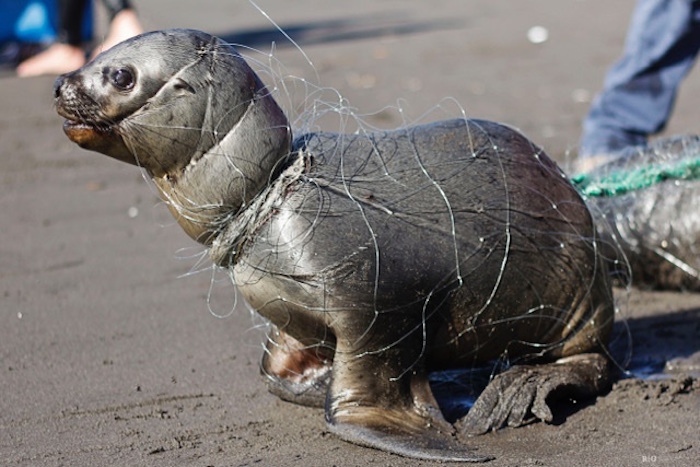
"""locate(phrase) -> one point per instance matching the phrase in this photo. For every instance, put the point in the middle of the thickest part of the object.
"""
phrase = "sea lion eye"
(122, 78)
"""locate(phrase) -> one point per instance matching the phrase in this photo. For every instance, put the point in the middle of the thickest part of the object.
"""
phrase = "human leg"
(640, 89)
(65, 54)
(123, 24)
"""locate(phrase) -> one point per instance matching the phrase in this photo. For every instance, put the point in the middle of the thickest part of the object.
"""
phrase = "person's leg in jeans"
(640, 89)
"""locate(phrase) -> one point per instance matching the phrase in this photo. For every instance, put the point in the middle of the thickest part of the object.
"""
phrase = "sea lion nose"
(57, 86)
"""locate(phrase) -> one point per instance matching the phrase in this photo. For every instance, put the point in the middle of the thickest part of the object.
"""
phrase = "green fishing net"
(621, 180)
(646, 205)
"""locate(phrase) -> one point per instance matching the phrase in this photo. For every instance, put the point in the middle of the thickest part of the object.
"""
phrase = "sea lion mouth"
(95, 136)
(87, 134)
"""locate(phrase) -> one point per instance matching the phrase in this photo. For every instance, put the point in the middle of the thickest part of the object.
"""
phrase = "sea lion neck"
(182, 105)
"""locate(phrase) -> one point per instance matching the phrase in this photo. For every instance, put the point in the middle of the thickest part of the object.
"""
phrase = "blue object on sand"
(34, 21)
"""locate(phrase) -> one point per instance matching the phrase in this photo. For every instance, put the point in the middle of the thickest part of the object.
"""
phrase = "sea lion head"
(170, 101)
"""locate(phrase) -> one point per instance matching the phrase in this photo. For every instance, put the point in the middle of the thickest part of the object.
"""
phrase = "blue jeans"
(640, 89)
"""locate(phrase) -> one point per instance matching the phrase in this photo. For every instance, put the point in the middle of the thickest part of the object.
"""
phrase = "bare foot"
(57, 59)
(587, 164)
(125, 24)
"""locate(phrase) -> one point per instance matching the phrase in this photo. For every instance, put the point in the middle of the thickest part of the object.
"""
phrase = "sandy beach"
(120, 347)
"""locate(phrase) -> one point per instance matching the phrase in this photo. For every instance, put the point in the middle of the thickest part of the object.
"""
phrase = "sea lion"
(378, 257)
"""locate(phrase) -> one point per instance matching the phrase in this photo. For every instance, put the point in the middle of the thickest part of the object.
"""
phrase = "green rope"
(622, 181)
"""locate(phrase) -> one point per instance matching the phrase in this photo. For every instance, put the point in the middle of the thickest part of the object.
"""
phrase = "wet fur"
(378, 257)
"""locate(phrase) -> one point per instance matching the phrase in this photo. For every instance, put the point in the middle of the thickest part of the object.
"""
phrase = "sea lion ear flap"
(180, 84)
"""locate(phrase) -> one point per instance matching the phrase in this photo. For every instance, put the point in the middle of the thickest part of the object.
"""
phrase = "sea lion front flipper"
(424, 446)
(371, 404)
(524, 389)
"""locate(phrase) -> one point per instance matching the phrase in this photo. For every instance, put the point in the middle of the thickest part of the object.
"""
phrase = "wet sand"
(110, 355)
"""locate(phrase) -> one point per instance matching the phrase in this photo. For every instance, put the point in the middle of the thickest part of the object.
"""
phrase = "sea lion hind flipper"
(309, 392)
(427, 444)
(295, 373)
(514, 397)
